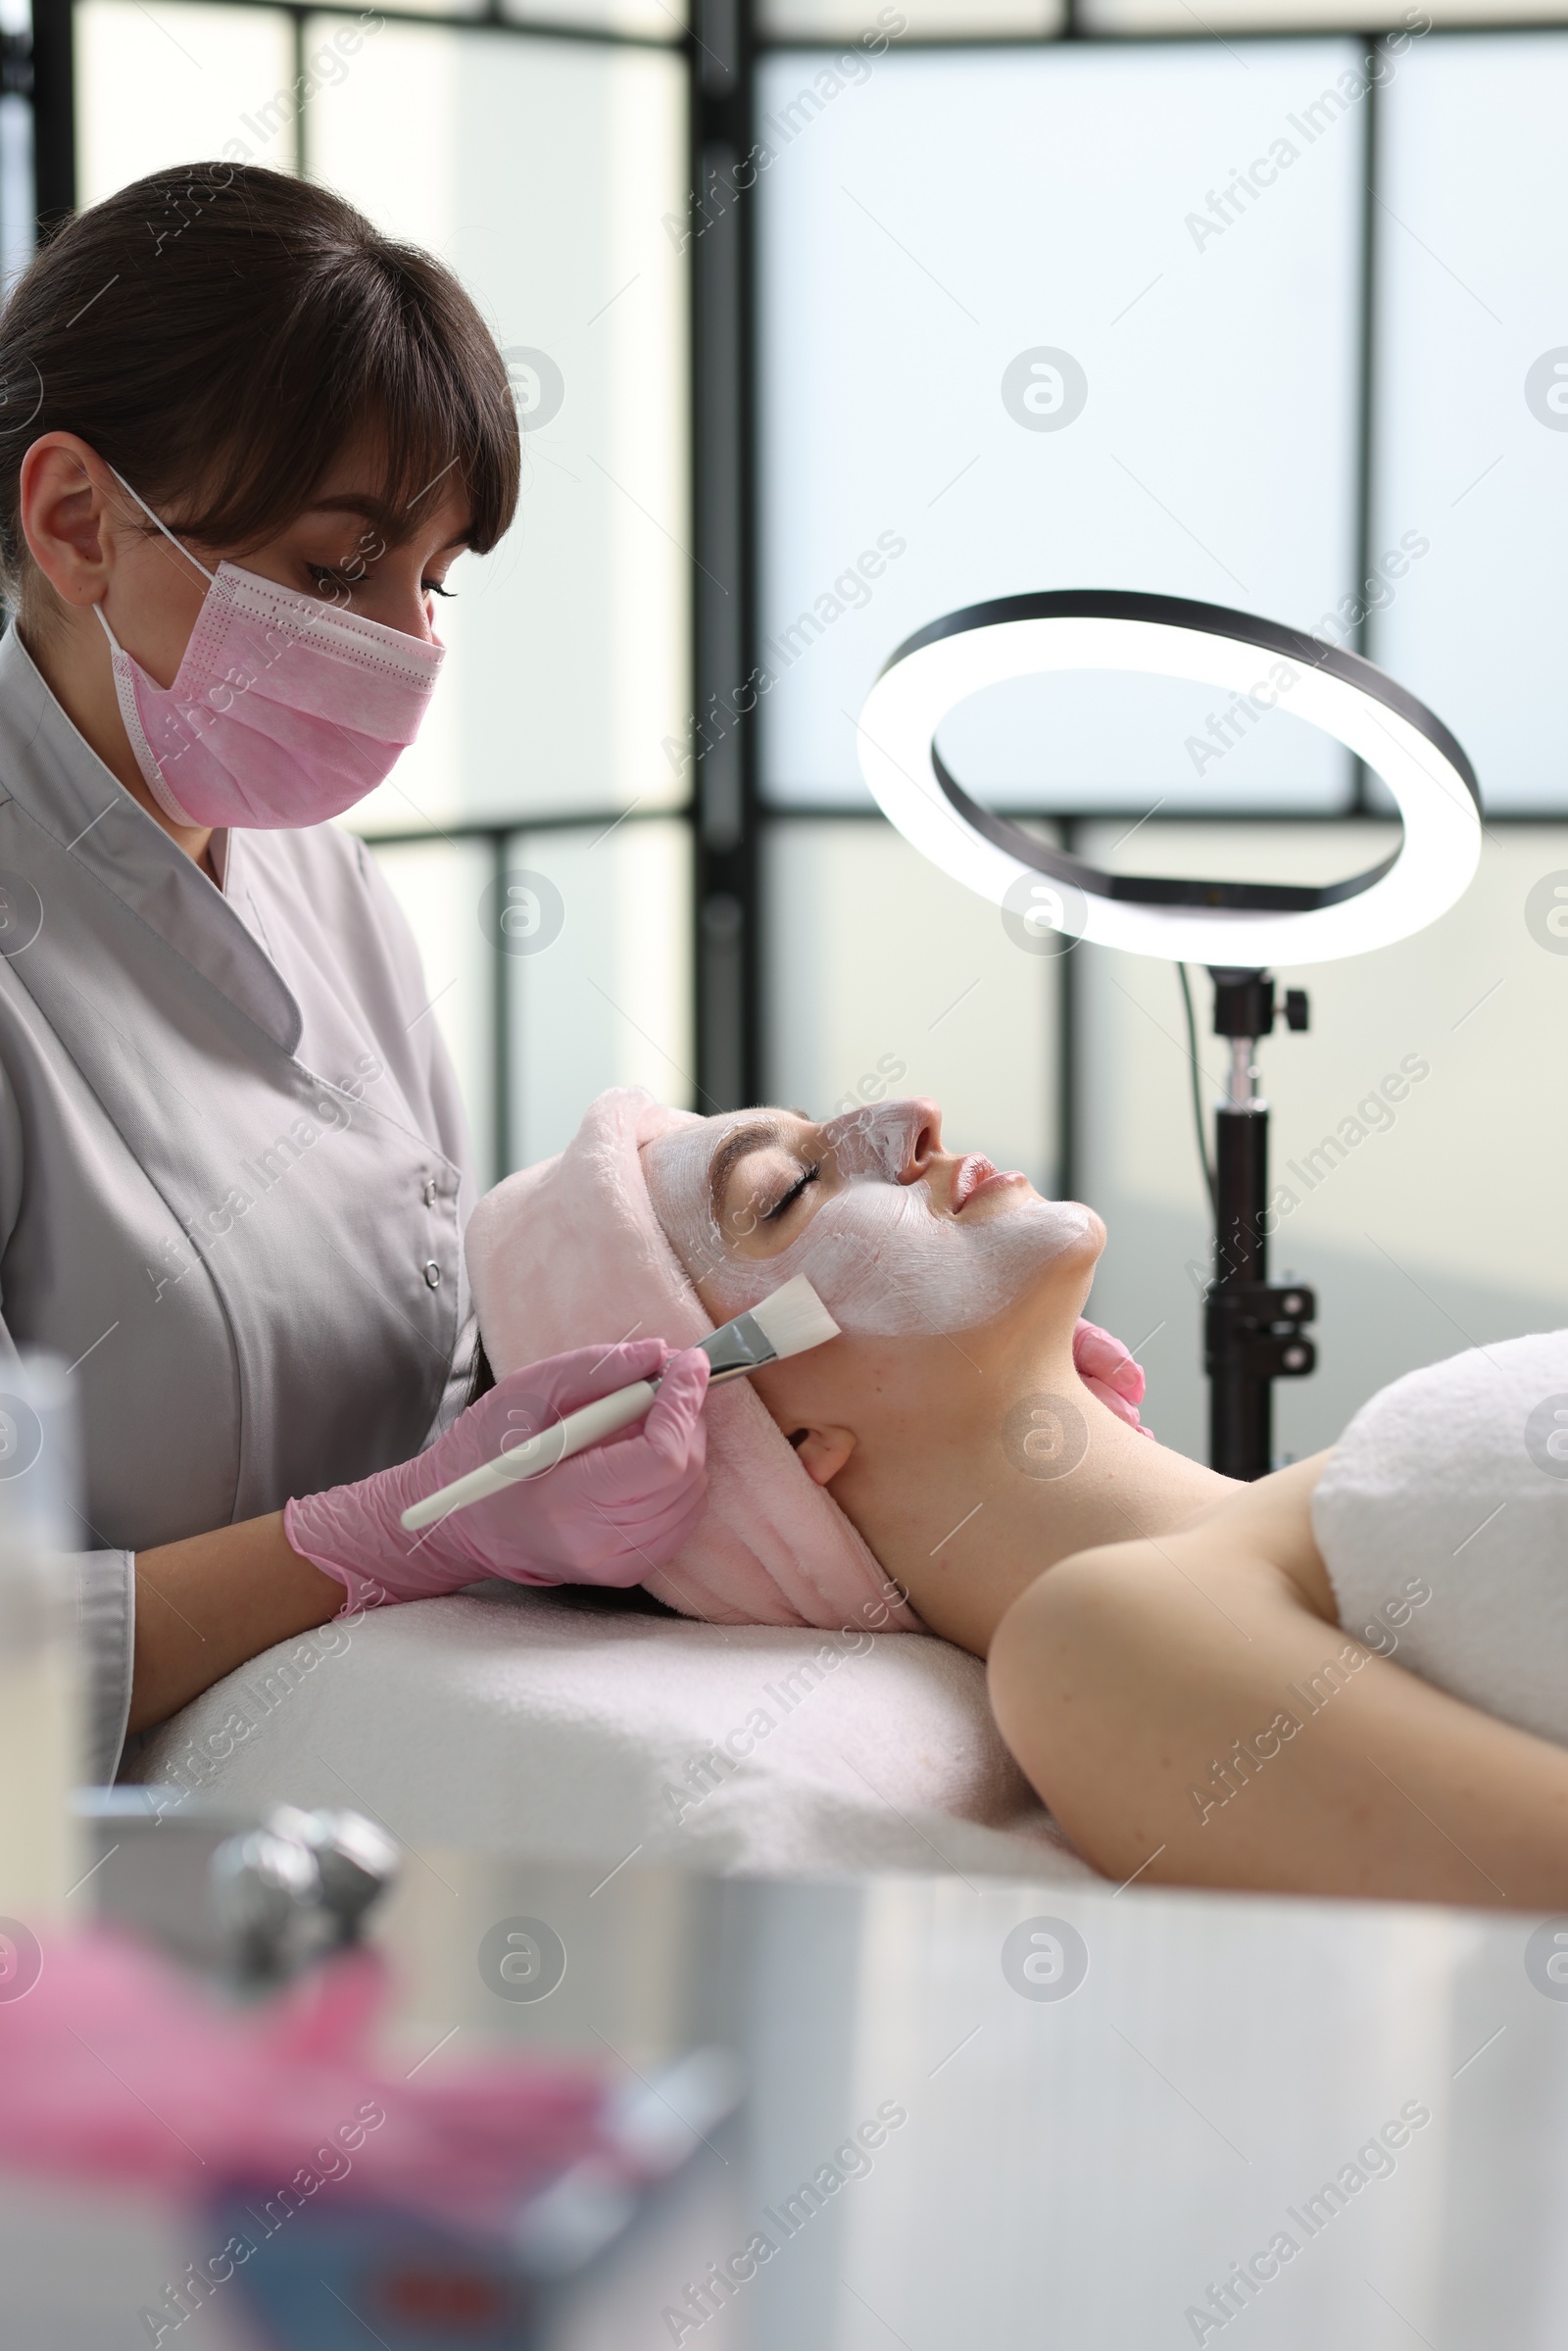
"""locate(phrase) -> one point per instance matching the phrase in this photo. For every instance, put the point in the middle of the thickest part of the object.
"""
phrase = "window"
(540, 171)
(544, 169)
(1043, 314)
(1471, 253)
(827, 318)
(173, 84)
(965, 233)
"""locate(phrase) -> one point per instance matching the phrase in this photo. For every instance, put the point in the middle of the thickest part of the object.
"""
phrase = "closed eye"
(781, 1208)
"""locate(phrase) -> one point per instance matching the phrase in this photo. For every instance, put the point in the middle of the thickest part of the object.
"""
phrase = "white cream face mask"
(877, 1254)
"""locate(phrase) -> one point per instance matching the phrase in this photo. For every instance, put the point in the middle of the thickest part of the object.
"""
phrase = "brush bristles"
(794, 1319)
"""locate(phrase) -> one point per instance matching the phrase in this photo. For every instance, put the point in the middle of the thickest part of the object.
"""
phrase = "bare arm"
(205, 1606)
(1191, 1711)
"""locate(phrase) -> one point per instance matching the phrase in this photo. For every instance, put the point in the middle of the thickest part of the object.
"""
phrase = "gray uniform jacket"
(233, 1166)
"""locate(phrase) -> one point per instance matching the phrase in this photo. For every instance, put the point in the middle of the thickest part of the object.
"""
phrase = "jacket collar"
(65, 788)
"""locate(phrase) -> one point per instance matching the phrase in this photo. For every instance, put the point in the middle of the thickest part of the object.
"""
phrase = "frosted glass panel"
(541, 170)
(436, 8)
(1146, 741)
(607, 1001)
(885, 979)
(999, 355)
(440, 887)
(1473, 252)
(160, 85)
(655, 19)
(1425, 1227)
(17, 190)
(1288, 16)
(923, 20)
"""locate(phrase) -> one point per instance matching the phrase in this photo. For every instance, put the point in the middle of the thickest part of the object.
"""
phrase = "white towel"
(1443, 1521)
(535, 1723)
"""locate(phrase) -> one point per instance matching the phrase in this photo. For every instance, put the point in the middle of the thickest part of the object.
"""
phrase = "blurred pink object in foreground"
(118, 2067)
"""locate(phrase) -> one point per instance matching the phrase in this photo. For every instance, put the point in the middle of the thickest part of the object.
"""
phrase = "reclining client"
(1315, 1683)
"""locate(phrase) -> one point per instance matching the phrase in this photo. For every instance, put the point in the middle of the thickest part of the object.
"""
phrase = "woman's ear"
(823, 1452)
(64, 518)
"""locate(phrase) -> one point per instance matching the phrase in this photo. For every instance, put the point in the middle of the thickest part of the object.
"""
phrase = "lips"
(976, 1176)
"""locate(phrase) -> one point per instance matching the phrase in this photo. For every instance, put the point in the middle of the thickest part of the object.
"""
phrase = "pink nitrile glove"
(609, 1515)
(1110, 1372)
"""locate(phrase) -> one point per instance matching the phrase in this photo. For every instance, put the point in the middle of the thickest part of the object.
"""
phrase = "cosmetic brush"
(786, 1324)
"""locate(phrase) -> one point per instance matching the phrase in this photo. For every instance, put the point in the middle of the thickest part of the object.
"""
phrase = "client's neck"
(966, 1517)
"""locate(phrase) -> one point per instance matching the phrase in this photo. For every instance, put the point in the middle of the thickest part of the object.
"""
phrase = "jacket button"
(430, 1192)
(432, 1274)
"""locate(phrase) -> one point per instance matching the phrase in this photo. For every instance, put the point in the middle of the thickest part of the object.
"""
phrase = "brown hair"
(220, 333)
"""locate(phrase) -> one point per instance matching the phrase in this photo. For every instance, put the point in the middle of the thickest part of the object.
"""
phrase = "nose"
(922, 1136)
(393, 593)
(415, 615)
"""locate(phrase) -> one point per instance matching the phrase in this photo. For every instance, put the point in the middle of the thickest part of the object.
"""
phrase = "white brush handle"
(587, 1427)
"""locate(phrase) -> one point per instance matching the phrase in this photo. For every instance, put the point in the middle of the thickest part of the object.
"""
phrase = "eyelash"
(324, 575)
(794, 1193)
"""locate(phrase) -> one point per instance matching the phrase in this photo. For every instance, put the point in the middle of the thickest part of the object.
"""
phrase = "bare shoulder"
(1269, 1524)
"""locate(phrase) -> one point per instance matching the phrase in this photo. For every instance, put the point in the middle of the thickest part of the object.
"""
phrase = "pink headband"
(570, 1253)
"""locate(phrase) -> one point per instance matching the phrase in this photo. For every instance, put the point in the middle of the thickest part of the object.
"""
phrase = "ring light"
(1238, 924)
(1255, 1330)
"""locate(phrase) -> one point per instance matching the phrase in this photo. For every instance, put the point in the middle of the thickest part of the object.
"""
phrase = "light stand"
(1253, 1330)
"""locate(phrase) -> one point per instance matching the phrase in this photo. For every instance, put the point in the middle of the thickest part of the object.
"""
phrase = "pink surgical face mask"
(285, 710)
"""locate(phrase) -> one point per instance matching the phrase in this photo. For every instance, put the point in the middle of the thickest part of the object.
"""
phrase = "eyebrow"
(734, 1147)
(376, 510)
